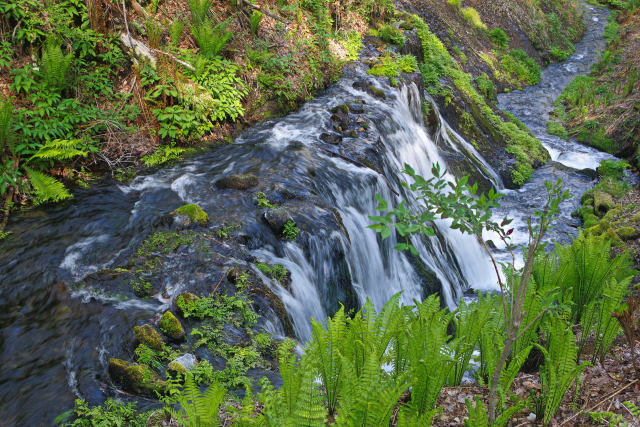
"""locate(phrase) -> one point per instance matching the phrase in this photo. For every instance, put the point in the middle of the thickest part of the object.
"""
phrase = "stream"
(56, 337)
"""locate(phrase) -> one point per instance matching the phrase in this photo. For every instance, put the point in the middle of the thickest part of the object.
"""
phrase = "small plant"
(112, 413)
(291, 230)
(472, 15)
(263, 201)
(54, 65)
(176, 29)
(211, 38)
(276, 271)
(499, 37)
(391, 34)
(254, 21)
(142, 288)
(225, 231)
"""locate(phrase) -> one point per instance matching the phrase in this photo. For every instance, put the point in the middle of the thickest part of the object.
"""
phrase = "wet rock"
(331, 138)
(190, 214)
(342, 108)
(147, 335)
(357, 107)
(238, 182)
(376, 92)
(171, 326)
(276, 219)
(134, 377)
(184, 363)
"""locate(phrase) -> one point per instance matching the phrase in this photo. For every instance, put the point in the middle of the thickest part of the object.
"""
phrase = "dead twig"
(610, 396)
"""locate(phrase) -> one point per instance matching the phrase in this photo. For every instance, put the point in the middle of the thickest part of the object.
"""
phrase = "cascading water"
(54, 343)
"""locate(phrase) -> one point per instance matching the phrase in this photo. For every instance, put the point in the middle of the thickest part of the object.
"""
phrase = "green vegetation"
(291, 230)
(499, 37)
(194, 213)
(518, 64)
(113, 413)
(355, 368)
(391, 66)
(275, 271)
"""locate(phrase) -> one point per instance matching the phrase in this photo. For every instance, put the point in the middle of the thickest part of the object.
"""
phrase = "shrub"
(499, 37)
(391, 34)
(472, 15)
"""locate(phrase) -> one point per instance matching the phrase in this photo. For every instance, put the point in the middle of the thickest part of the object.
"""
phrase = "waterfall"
(377, 271)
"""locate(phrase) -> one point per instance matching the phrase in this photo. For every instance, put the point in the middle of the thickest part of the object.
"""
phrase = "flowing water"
(55, 338)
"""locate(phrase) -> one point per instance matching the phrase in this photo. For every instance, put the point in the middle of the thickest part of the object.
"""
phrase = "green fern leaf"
(46, 187)
(60, 149)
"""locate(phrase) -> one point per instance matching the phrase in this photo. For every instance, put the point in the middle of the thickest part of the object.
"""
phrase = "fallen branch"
(266, 12)
(610, 396)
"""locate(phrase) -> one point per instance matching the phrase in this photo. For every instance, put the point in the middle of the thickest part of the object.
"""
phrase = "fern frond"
(46, 187)
(310, 410)
(60, 149)
(54, 65)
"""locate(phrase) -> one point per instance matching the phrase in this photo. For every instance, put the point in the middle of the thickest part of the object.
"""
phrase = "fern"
(60, 149)
(199, 10)
(198, 408)
(429, 359)
(470, 320)
(324, 349)
(309, 410)
(211, 39)
(598, 318)
(478, 416)
(561, 367)
(370, 398)
(6, 120)
(47, 188)
(254, 21)
(54, 65)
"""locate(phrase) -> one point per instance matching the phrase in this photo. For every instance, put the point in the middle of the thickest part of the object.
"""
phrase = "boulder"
(277, 218)
(134, 377)
(171, 326)
(238, 182)
(331, 138)
(184, 363)
(602, 202)
(190, 214)
(147, 335)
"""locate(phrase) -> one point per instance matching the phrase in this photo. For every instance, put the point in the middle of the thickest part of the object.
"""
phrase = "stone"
(377, 92)
(331, 138)
(276, 219)
(147, 335)
(191, 214)
(171, 326)
(238, 182)
(184, 363)
(344, 108)
(134, 377)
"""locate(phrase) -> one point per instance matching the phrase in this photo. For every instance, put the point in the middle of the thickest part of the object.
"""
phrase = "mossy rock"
(628, 233)
(147, 335)
(238, 182)
(602, 202)
(171, 326)
(377, 92)
(344, 108)
(177, 367)
(193, 213)
(134, 377)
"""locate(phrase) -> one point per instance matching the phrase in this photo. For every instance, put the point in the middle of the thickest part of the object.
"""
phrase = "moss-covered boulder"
(134, 377)
(171, 326)
(238, 182)
(147, 335)
(602, 202)
(276, 219)
(191, 214)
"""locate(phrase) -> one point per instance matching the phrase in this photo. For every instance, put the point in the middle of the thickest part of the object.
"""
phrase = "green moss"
(177, 367)
(519, 65)
(391, 66)
(377, 92)
(164, 242)
(171, 326)
(238, 182)
(276, 271)
(147, 335)
(134, 377)
(194, 213)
